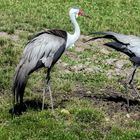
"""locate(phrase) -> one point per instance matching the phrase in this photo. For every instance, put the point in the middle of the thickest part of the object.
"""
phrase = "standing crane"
(127, 44)
(44, 50)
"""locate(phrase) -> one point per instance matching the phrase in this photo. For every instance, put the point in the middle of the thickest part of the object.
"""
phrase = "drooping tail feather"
(22, 73)
(19, 84)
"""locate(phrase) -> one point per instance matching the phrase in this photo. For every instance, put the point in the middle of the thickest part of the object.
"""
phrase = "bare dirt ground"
(111, 101)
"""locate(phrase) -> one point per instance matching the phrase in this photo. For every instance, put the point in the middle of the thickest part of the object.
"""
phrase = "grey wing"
(131, 42)
(124, 39)
(41, 48)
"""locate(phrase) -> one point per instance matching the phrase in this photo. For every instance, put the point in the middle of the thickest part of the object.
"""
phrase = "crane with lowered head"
(127, 44)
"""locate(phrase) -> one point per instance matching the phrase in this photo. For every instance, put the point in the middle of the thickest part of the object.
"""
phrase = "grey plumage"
(124, 39)
(128, 44)
(43, 50)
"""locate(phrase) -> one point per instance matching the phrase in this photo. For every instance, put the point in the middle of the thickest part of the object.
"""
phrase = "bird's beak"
(81, 13)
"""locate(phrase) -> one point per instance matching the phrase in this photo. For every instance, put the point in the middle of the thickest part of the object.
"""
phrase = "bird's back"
(43, 44)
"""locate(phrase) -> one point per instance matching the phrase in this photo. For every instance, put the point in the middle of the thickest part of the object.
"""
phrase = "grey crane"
(127, 44)
(44, 50)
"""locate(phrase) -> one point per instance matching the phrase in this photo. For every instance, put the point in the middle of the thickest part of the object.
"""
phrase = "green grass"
(43, 125)
(117, 134)
(87, 119)
(121, 16)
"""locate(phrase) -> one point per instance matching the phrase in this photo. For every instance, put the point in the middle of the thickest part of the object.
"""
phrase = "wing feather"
(124, 39)
(43, 45)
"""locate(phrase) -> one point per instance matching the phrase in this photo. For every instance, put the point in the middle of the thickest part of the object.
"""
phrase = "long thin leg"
(43, 102)
(49, 89)
(135, 90)
(131, 77)
(50, 94)
(51, 98)
(126, 91)
(46, 87)
(129, 82)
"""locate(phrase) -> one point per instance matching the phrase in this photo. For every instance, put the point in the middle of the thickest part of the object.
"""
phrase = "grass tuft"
(88, 116)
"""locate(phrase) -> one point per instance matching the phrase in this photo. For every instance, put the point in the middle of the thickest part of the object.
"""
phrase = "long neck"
(76, 34)
(76, 27)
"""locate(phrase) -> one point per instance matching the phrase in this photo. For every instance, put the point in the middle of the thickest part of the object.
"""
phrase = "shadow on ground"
(34, 105)
(111, 102)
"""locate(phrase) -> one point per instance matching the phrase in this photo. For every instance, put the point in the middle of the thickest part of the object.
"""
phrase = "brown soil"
(112, 103)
